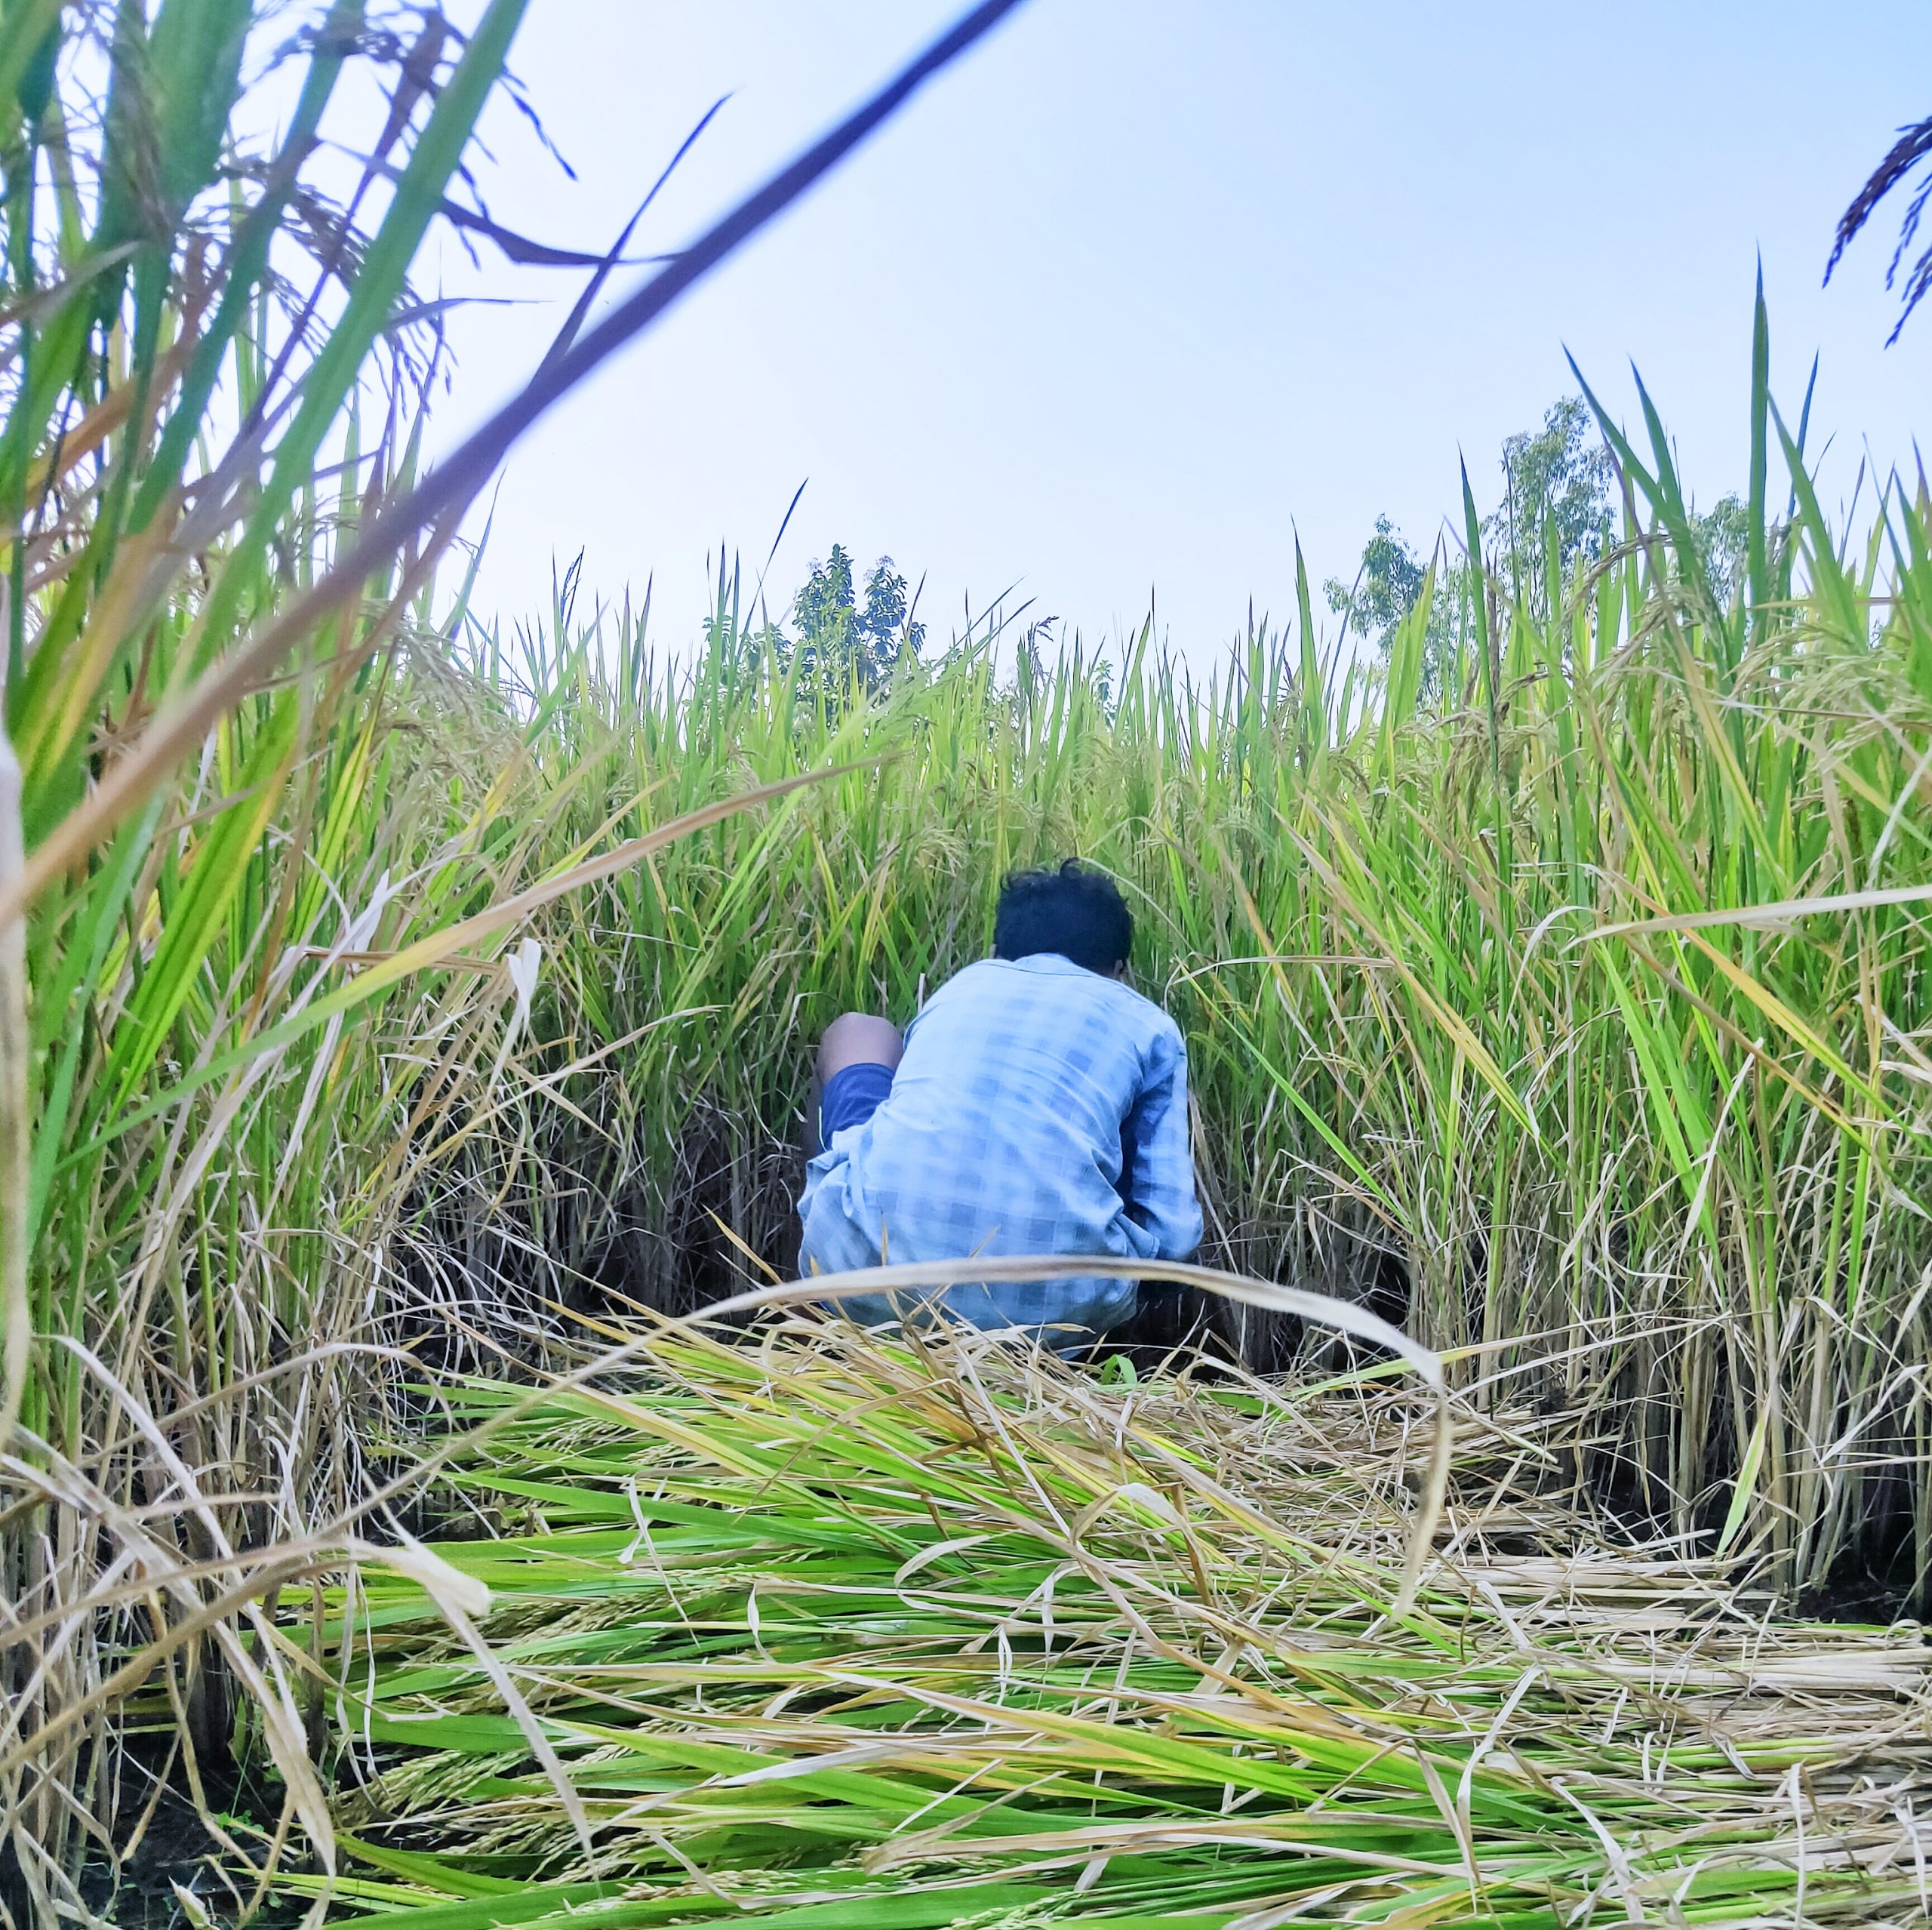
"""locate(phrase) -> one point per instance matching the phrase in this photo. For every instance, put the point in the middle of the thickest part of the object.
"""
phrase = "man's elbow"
(1180, 1239)
(1171, 1235)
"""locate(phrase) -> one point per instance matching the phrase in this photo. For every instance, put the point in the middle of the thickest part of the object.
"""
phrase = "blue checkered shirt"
(1040, 1108)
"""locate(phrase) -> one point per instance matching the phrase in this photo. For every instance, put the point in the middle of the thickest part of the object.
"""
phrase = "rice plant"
(212, 379)
(828, 1631)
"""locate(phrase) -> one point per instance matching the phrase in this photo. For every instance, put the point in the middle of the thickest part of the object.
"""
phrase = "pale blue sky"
(1138, 290)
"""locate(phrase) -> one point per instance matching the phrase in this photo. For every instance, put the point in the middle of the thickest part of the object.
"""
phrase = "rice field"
(1519, 990)
(404, 1017)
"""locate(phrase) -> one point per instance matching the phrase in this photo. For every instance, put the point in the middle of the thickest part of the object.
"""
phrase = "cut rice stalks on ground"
(839, 1633)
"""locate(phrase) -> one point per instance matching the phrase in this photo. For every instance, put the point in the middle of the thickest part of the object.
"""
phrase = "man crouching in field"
(1035, 1106)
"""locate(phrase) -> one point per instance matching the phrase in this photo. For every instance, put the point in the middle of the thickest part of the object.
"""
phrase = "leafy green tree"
(1559, 475)
(1558, 479)
(1724, 539)
(824, 609)
(1386, 585)
(838, 633)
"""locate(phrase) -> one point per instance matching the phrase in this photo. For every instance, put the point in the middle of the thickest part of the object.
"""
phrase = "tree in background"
(1912, 150)
(1558, 480)
(1559, 494)
(838, 633)
(1561, 478)
(1723, 540)
(1387, 584)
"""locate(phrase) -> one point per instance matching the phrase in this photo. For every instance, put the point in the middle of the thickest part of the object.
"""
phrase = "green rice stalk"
(831, 1630)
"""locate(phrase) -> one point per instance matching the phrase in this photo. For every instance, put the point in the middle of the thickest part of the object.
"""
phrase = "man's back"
(1039, 1108)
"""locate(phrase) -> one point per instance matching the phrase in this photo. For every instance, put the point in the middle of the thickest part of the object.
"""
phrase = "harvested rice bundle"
(842, 1633)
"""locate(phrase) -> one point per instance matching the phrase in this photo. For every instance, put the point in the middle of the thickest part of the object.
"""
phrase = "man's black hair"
(1071, 909)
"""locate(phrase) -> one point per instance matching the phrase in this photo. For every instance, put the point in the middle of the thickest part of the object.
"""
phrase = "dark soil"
(1876, 1579)
(136, 1891)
